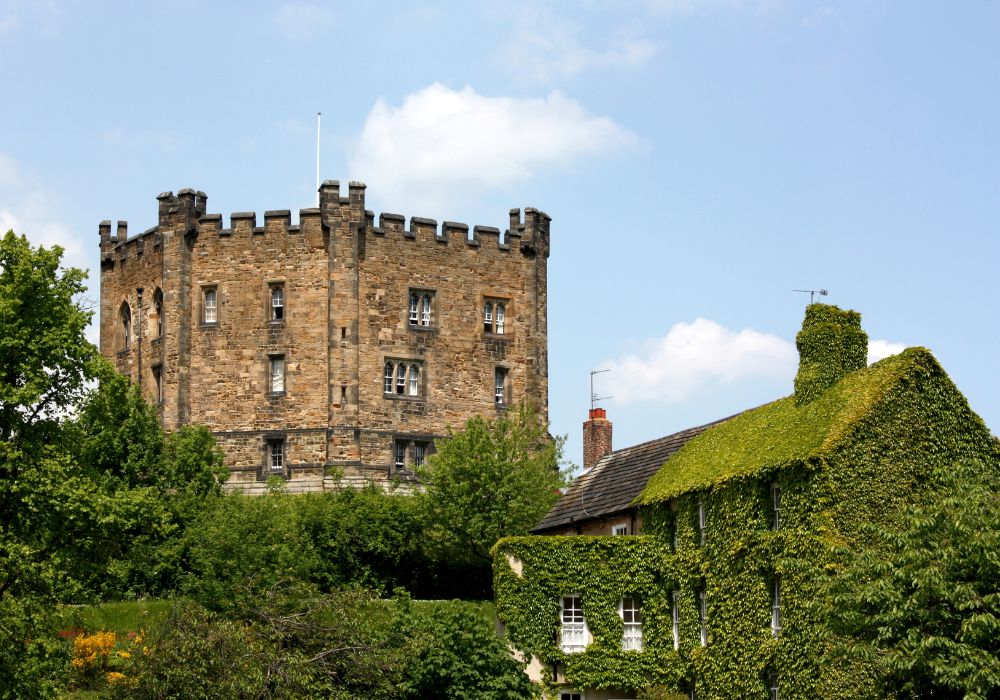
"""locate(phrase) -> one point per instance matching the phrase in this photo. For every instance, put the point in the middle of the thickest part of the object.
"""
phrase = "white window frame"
(500, 311)
(772, 683)
(775, 506)
(210, 305)
(703, 616)
(488, 316)
(388, 378)
(277, 303)
(573, 632)
(501, 382)
(776, 607)
(276, 374)
(675, 617)
(276, 455)
(401, 379)
(620, 529)
(414, 309)
(425, 309)
(631, 606)
(413, 382)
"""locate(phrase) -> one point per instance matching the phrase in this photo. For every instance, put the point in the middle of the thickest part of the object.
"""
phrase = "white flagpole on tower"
(318, 115)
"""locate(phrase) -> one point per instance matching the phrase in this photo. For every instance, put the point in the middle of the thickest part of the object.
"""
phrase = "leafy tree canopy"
(492, 479)
(923, 605)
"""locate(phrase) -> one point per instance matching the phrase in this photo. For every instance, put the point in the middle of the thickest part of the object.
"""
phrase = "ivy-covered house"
(744, 526)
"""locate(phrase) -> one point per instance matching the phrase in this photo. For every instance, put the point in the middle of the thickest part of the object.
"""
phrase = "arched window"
(389, 371)
(414, 380)
(401, 378)
(157, 314)
(501, 313)
(125, 317)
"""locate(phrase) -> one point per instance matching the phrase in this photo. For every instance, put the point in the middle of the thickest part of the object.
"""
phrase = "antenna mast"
(812, 293)
(318, 115)
(594, 398)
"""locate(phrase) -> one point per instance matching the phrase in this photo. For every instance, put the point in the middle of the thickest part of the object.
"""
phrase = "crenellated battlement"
(184, 214)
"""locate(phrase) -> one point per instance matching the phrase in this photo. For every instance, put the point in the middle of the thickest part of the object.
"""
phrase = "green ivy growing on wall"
(857, 453)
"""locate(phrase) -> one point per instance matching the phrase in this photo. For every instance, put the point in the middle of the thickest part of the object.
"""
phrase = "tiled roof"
(615, 481)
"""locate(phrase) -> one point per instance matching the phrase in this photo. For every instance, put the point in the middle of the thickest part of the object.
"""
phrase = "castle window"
(399, 451)
(573, 633)
(158, 383)
(158, 313)
(631, 615)
(675, 614)
(276, 455)
(495, 316)
(775, 506)
(703, 617)
(278, 302)
(401, 378)
(501, 386)
(210, 307)
(417, 451)
(776, 607)
(421, 308)
(277, 374)
(414, 380)
(125, 318)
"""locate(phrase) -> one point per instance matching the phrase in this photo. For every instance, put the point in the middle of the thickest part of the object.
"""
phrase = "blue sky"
(700, 159)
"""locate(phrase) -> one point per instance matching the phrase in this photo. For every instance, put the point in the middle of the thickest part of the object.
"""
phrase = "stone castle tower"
(331, 346)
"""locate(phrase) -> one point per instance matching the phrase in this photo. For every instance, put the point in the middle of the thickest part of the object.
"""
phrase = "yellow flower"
(114, 677)
(124, 655)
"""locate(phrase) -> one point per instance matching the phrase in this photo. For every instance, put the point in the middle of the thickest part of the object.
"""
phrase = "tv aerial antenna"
(812, 293)
(594, 398)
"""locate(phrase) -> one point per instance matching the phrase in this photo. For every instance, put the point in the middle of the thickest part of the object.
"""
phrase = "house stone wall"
(346, 280)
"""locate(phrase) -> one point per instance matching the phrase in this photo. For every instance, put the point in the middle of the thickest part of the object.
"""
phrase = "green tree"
(45, 362)
(493, 479)
(457, 655)
(923, 604)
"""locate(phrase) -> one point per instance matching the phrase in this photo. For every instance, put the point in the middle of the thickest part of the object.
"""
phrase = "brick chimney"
(596, 437)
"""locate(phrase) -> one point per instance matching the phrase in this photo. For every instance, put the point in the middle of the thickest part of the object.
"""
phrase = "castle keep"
(334, 343)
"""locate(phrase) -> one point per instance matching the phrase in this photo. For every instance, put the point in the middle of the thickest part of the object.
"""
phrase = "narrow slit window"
(776, 607)
(488, 317)
(500, 386)
(278, 374)
(158, 312)
(211, 309)
(775, 506)
(277, 303)
(501, 315)
(772, 683)
(675, 614)
(158, 383)
(702, 522)
(703, 617)
(399, 460)
(126, 321)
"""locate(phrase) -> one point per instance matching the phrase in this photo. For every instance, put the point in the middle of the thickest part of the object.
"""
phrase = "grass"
(120, 617)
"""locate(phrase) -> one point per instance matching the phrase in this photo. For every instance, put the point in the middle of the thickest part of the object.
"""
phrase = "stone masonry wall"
(346, 284)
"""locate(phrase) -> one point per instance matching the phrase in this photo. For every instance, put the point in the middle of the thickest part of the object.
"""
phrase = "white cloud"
(443, 145)
(26, 208)
(694, 356)
(879, 349)
(303, 20)
(543, 48)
